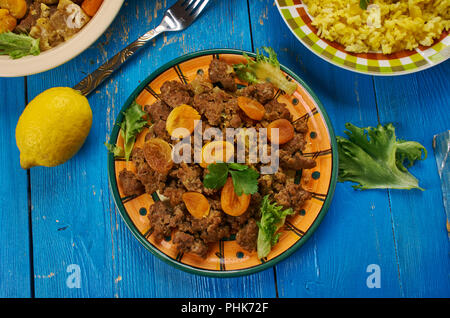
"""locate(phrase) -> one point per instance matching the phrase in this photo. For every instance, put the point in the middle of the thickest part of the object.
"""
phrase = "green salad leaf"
(375, 159)
(131, 126)
(363, 4)
(264, 69)
(273, 217)
(245, 179)
(18, 45)
(116, 150)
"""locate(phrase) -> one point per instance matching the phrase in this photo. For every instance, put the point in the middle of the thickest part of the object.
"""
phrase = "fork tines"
(192, 7)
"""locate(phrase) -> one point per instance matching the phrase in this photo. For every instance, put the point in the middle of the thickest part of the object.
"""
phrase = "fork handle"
(97, 77)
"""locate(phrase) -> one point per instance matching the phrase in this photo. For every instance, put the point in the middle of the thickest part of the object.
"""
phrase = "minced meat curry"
(192, 214)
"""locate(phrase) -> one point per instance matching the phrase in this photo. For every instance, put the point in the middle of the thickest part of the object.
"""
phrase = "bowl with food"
(377, 37)
(222, 162)
(38, 35)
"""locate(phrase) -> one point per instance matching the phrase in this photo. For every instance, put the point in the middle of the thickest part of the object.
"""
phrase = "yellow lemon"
(53, 127)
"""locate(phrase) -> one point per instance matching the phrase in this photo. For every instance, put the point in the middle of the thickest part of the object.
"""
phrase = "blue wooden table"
(55, 222)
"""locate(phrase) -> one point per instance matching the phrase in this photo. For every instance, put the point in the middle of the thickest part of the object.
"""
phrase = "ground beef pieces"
(248, 235)
(212, 104)
(130, 183)
(300, 126)
(221, 72)
(190, 177)
(157, 111)
(297, 143)
(173, 193)
(211, 228)
(175, 93)
(187, 243)
(292, 196)
(163, 219)
(290, 156)
(276, 110)
(152, 180)
(158, 130)
(262, 92)
(296, 161)
(270, 183)
(232, 116)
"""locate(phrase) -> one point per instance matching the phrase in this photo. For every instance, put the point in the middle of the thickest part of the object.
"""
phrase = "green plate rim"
(205, 272)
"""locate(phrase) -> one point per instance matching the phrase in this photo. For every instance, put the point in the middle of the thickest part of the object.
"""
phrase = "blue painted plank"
(74, 217)
(357, 230)
(14, 232)
(418, 106)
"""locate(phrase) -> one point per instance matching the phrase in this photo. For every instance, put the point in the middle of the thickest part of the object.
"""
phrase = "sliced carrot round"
(252, 108)
(183, 116)
(216, 151)
(196, 204)
(231, 203)
(158, 155)
(285, 131)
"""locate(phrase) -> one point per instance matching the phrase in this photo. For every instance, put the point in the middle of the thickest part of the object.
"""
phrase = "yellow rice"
(403, 24)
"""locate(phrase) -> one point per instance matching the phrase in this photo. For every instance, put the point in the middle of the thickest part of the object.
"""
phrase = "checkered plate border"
(298, 20)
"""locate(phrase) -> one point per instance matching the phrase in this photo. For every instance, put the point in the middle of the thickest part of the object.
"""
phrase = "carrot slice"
(231, 203)
(196, 204)
(91, 6)
(252, 108)
(285, 131)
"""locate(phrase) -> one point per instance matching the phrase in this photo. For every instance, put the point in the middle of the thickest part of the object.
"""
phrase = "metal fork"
(178, 17)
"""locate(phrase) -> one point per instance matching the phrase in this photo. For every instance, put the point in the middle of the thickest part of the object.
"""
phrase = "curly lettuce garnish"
(264, 69)
(18, 45)
(273, 217)
(375, 159)
(133, 123)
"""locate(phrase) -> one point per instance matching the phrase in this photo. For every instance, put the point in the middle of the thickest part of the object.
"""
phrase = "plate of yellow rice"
(378, 37)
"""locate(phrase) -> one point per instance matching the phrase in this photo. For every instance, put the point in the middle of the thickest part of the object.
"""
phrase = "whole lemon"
(53, 127)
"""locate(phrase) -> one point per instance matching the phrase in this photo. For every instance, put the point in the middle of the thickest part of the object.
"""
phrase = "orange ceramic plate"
(227, 258)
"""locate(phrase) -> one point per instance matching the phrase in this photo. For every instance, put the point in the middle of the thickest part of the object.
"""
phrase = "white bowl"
(66, 51)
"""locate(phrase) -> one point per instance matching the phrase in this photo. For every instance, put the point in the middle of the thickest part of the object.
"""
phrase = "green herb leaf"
(237, 166)
(374, 158)
(132, 125)
(264, 69)
(363, 4)
(245, 179)
(273, 217)
(217, 176)
(18, 45)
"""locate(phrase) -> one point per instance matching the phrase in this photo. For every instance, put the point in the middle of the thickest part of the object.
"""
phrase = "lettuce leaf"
(132, 125)
(18, 45)
(273, 217)
(375, 159)
(264, 69)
